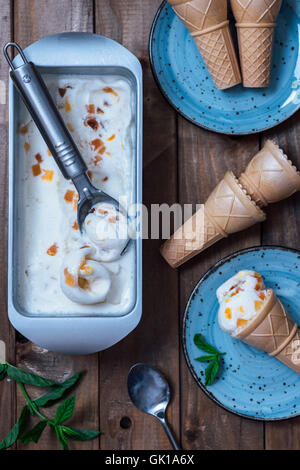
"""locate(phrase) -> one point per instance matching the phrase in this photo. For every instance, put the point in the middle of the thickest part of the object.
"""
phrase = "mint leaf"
(211, 371)
(61, 437)
(65, 410)
(201, 344)
(25, 377)
(3, 368)
(205, 358)
(34, 434)
(214, 357)
(80, 434)
(51, 397)
(15, 432)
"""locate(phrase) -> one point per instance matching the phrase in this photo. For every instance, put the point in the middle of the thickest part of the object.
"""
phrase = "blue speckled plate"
(185, 82)
(251, 383)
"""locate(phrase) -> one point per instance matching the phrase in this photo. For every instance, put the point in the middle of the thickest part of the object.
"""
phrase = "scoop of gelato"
(240, 298)
(84, 280)
(106, 228)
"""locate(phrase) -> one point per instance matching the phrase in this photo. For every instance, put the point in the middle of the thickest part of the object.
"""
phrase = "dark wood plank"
(35, 19)
(282, 228)
(7, 389)
(204, 157)
(155, 341)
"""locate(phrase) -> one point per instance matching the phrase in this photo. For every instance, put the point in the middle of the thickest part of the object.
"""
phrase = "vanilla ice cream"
(106, 228)
(84, 280)
(61, 270)
(240, 298)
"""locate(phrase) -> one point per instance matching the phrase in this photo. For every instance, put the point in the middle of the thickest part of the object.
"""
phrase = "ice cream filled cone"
(256, 23)
(253, 314)
(208, 23)
(273, 331)
(228, 209)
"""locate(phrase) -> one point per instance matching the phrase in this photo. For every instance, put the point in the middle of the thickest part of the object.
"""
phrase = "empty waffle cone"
(270, 176)
(207, 22)
(228, 209)
(256, 23)
(273, 331)
(235, 205)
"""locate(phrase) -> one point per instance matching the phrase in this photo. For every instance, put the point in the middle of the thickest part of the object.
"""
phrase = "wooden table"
(181, 163)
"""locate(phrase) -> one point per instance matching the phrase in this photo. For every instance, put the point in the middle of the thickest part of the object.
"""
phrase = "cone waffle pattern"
(199, 15)
(256, 11)
(272, 331)
(290, 355)
(197, 234)
(255, 40)
(234, 205)
(216, 47)
(226, 211)
(230, 208)
(270, 177)
(256, 46)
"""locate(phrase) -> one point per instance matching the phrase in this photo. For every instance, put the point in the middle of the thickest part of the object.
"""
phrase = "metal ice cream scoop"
(45, 114)
(150, 392)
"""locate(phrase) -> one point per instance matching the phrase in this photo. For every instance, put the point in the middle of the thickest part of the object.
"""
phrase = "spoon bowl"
(89, 196)
(149, 391)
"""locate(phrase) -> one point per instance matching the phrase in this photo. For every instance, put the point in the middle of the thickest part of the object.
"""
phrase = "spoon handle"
(45, 114)
(169, 434)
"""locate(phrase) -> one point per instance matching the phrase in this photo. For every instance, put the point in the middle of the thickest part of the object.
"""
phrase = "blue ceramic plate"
(251, 383)
(185, 82)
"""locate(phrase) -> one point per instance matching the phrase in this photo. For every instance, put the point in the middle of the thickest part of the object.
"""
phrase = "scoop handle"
(45, 114)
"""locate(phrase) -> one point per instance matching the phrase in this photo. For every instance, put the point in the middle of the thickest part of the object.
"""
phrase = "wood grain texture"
(7, 389)
(204, 158)
(282, 228)
(35, 19)
(155, 341)
(181, 163)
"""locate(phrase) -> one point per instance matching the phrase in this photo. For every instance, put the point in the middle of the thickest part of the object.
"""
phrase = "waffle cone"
(256, 22)
(270, 176)
(228, 209)
(273, 331)
(208, 24)
(197, 234)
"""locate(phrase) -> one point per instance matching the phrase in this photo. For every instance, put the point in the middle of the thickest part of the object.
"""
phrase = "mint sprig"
(213, 358)
(64, 411)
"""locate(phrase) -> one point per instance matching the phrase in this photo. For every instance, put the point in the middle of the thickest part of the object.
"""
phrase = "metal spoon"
(55, 133)
(150, 392)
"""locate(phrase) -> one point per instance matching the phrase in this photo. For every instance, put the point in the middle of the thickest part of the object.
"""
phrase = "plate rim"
(179, 111)
(213, 268)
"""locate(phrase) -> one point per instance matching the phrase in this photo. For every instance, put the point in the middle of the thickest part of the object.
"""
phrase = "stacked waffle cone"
(235, 204)
(208, 23)
(256, 22)
(270, 176)
(273, 331)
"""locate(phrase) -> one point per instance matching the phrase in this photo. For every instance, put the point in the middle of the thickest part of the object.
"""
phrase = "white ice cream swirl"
(82, 279)
(240, 299)
(106, 228)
